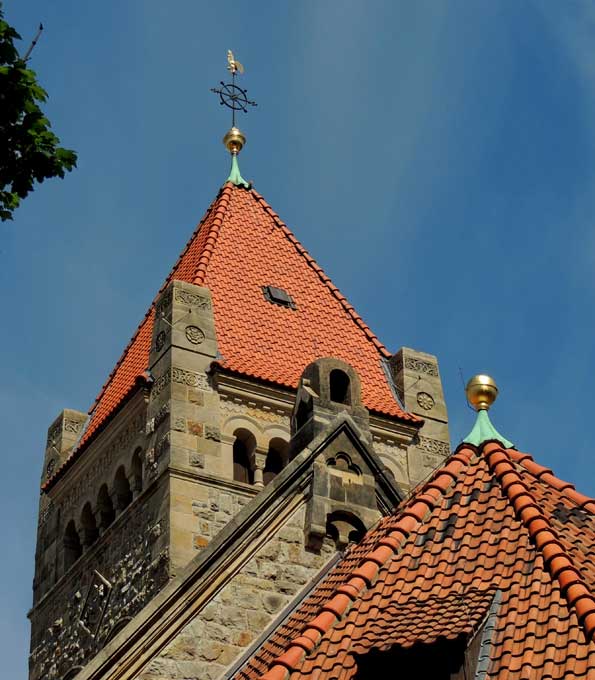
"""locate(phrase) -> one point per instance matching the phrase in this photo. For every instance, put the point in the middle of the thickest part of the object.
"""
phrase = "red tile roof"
(240, 246)
(489, 521)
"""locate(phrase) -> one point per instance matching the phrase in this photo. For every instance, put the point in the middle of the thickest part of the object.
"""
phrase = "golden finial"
(234, 140)
(481, 392)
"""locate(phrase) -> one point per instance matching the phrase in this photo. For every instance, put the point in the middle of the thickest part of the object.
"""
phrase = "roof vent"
(278, 296)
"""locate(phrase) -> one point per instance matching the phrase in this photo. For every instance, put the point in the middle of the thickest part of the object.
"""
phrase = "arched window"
(276, 459)
(137, 471)
(105, 507)
(88, 526)
(122, 489)
(340, 386)
(243, 447)
(72, 545)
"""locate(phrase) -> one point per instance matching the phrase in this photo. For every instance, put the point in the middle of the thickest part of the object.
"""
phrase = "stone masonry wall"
(243, 608)
(199, 510)
(106, 587)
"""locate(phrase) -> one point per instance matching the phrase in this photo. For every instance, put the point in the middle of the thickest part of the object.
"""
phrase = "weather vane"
(236, 99)
(230, 94)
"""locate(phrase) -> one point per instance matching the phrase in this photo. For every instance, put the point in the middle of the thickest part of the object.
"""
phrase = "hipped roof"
(240, 246)
(492, 533)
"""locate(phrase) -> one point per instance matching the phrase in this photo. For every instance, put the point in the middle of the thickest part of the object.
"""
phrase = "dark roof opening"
(278, 296)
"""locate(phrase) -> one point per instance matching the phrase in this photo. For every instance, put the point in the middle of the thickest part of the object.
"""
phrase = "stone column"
(258, 462)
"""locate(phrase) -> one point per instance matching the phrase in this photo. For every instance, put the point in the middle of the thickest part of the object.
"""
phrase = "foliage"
(29, 151)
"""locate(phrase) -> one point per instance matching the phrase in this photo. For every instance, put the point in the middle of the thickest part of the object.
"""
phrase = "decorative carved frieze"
(433, 446)
(160, 384)
(192, 299)
(190, 378)
(271, 415)
(417, 365)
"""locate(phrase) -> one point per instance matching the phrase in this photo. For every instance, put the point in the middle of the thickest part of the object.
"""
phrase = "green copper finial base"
(235, 176)
(484, 431)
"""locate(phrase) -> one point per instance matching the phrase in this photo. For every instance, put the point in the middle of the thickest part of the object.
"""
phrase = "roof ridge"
(205, 257)
(324, 277)
(543, 535)
(411, 515)
(152, 304)
(546, 475)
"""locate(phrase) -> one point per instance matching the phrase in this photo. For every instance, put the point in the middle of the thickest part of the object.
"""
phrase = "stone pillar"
(259, 458)
(63, 434)
(183, 411)
(417, 379)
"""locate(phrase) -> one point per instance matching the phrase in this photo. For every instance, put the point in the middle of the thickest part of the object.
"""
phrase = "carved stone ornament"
(187, 298)
(420, 366)
(95, 603)
(72, 426)
(179, 375)
(212, 432)
(194, 335)
(50, 468)
(425, 400)
(54, 434)
(160, 341)
(433, 446)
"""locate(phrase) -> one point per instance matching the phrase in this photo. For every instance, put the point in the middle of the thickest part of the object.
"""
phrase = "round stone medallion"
(425, 400)
(160, 341)
(194, 335)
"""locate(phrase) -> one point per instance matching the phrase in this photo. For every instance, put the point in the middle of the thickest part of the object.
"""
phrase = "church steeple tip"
(235, 98)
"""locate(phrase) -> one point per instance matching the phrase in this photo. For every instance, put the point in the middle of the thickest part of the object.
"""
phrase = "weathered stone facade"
(106, 587)
(246, 604)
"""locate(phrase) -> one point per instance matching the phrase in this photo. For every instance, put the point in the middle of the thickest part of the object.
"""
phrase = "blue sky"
(437, 158)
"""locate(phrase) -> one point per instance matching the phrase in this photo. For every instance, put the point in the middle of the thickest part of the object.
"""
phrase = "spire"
(481, 394)
(234, 97)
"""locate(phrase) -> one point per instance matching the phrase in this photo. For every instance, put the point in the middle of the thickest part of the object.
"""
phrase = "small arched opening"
(136, 467)
(88, 526)
(72, 545)
(340, 387)
(105, 507)
(122, 489)
(344, 528)
(275, 460)
(243, 447)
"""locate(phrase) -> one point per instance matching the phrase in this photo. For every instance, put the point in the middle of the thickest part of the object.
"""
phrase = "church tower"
(253, 427)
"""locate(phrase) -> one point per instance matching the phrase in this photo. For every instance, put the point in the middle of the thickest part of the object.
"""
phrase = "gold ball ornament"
(481, 392)
(234, 140)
